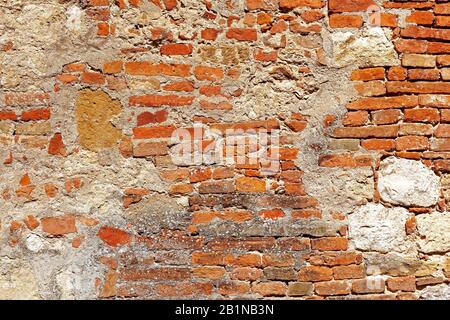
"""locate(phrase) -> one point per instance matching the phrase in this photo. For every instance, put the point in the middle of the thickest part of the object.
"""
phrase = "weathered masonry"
(314, 139)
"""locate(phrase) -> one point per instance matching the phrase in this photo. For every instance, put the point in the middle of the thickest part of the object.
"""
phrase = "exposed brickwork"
(89, 173)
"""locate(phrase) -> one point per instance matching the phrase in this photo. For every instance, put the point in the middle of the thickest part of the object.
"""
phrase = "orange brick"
(315, 273)
(175, 49)
(412, 143)
(332, 288)
(345, 21)
(59, 225)
(329, 244)
(348, 272)
(245, 184)
(242, 34)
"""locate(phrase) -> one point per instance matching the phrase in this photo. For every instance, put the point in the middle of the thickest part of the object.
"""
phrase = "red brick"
(312, 16)
(103, 29)
(423, 74)
(161, 100)
(438, 48)
(170, 4)
(98, 3)
(242, 34)
(439, 101)
(216, 187)
(442, 131)
(336, 258)
(67, 78)
(57, 146)
(421, 18)
(371, 88)
(264, 18)
(419, 32)
(270, 289)
(147, 149)
(245, 184)
(349, 5)
(262, 4)
(332, 288)
(261, 55)
(35, 114)
(93, 78)
(212, 273)
(348, 272)
(146, 68)
(397, 73)
(249, 260)
(418, 87)
(386, 116)
(208, 73)
(223, 173)
(329, 244)
(344, 160)
(378, 144)
(199, 175)
(442, 8)
(154, 132)
(8, 115)
(410, 46)
(291, 4)
(384, 103)
(156, 273)
(249, 125)
(186, 86)
(422, 115)
(31, 222)
(345, 21)
(151, 117)
(297, 126)
(208, 258)
(58, 226)
(272, 214)
(407, 284)
(246, 274)
(315, 273)
(408, 5)
(112, 67)
(440, 145)
(176, 49)
(306, 214)
(210, 34)
(387, 131)
(445, 115)
(74, 67)
(412, 143)
(388, 20)
(114, 237)
(181, 188)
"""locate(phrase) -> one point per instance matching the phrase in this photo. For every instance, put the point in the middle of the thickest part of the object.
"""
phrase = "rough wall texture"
(350, 203)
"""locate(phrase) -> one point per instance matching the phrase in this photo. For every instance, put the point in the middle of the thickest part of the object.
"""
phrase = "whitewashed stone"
(18, 282)
(434, 230)
(377, 228)
(372, 48)
(441, 292)
(34, 243)
(408, 183)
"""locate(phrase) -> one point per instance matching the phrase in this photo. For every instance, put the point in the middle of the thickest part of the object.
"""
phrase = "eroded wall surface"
(350, 201)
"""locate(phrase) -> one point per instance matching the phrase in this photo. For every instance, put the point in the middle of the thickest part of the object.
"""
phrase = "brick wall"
(318, 167)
